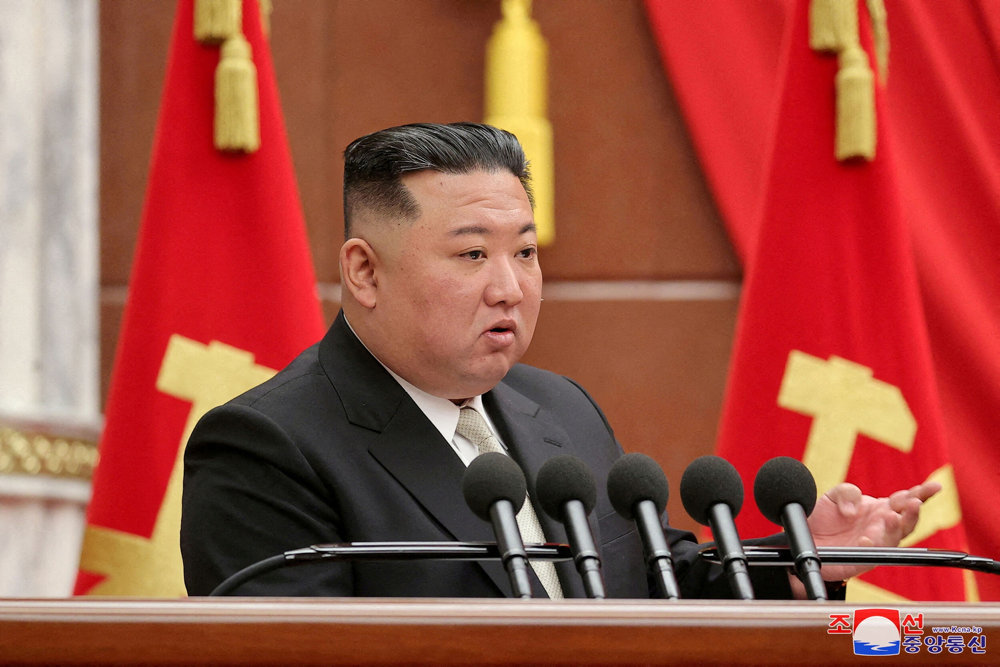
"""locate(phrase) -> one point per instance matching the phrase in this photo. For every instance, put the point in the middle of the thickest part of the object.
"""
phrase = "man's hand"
(845, 517)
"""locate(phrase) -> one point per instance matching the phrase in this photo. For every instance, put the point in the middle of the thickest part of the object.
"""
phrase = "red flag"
(832, 363)
(941, 101)
(723, 59)
(943, 105)
(222, 293)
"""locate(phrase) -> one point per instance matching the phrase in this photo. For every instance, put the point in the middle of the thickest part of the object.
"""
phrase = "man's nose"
(504, 285)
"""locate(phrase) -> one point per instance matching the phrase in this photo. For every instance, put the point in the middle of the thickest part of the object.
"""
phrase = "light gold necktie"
(472, 426)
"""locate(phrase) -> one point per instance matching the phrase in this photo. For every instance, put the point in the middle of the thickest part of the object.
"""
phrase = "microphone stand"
(376, 551)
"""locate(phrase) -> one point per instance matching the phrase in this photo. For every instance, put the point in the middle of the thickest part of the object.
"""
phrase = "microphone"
(785, 492)
(712, 493)
(567, 493)
(494, 489)
(638, 491)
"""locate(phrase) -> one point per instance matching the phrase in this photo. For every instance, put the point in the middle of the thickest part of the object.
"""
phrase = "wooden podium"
(334, 631)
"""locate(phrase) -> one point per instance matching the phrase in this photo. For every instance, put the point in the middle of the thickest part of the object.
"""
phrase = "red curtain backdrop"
(222, 293)
(892, 266)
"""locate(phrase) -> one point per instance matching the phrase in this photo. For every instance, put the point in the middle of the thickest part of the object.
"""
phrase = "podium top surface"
(367, 631)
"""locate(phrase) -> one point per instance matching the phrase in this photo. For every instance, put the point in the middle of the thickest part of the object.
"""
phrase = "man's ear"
(358, 263)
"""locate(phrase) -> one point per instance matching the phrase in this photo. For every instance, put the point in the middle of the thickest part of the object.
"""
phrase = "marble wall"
(49, 402)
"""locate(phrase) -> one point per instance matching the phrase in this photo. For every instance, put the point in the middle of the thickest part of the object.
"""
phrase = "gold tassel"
(237, 117)
(831, 24)
(216, 21)
(855, 106)
(880, 33)
(516, 100)
(822, 30)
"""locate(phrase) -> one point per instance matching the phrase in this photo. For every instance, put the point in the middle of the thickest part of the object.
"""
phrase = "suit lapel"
(404, 441)
(408, 446)
(414, 452)
(529, 436)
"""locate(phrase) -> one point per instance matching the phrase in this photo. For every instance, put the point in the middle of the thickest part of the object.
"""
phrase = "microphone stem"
(657, 551)
(734, 561)
(511, 545)
(585, 555)
(808, 570)
(800, 540)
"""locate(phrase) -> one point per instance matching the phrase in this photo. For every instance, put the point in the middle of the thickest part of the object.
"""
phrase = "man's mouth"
(503, 327)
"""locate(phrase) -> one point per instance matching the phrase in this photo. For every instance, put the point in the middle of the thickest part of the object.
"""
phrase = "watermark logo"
(887, 632)
(876, 632)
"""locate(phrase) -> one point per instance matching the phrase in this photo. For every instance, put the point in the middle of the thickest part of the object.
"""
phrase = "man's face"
(459, 288)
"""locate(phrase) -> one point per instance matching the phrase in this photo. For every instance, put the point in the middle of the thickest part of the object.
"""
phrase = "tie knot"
(471, 425)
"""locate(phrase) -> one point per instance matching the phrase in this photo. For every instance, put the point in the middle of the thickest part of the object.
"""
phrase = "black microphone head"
(708, 481)
(636, 477)
(781, 481)
(561, 479)
(491, 477)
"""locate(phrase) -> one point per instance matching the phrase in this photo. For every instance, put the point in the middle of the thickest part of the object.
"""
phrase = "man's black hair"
(375, 163)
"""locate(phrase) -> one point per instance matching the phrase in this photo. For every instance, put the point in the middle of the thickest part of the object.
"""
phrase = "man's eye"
(528, 253)
(475, 254)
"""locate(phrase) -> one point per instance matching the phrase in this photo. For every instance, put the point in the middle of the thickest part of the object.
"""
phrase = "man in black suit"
(356, 441)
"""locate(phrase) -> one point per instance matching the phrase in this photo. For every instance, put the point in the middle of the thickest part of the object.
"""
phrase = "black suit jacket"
(332, 449)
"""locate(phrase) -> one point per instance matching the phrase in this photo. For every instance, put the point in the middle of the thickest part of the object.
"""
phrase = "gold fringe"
(237, 117)
(855, 106)
(517, 99)
(32, 452)
(215, 21)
